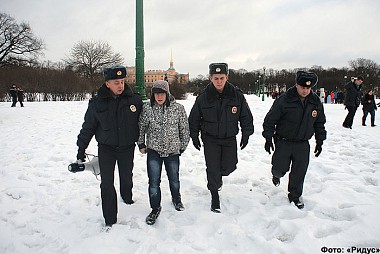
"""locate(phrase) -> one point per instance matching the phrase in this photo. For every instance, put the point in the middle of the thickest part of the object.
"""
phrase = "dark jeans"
(365, 114)
(350, 116)
(294, 153)
(154, 166)
(107, 161)
(221, 159)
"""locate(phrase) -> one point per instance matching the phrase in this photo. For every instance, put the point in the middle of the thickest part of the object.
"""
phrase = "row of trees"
(80, 72)
(331, 79)
(76, 75)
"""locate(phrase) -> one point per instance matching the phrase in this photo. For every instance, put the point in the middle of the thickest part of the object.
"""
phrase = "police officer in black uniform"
(112, 116)
(292, 120)
(13, 94)
(216, 114)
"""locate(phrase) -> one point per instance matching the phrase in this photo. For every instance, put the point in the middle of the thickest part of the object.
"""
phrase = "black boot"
(178, 205)
(215, 202)
(297, 202)
(152, 217)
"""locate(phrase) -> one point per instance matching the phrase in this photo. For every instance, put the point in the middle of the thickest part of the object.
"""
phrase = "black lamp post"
(263, 84)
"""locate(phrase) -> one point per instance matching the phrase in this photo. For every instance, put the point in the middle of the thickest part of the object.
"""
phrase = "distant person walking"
(352, 99)
(369, 106)
(13, 94)
(332, 97)
(20, 96)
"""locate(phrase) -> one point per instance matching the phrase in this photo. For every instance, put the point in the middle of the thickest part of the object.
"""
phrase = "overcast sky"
(247, 34)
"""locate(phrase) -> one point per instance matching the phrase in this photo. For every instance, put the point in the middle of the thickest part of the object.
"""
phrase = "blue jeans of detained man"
(154, 165)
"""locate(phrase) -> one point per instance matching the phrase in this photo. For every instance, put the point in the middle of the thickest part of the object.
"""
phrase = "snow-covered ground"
(46, 209)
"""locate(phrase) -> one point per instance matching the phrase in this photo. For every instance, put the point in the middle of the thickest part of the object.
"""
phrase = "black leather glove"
(80, 155)
(269, 145)
(196, 143)
(244, 142)
(318, 148)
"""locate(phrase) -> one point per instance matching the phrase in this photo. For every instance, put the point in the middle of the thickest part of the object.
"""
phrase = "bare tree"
(362, 64)
(369, 69)
(18, 44)
(88, 58)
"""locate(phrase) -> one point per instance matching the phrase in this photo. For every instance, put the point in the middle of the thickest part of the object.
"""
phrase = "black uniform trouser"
(107, 161)
(221, 159)
(14, 101)
(348, 121)
(297, 154)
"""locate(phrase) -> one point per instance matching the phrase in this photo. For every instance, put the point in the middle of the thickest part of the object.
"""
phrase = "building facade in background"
(171, 75)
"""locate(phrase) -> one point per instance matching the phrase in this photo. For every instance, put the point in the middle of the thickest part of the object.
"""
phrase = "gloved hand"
(196, 143)
(269, 145)
(318, 148)
(244, 142)
(80, 155)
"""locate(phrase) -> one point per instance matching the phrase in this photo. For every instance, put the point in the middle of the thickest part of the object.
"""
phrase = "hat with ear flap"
(306, 79)
(114, 72)
(218, 68)
(160, 86)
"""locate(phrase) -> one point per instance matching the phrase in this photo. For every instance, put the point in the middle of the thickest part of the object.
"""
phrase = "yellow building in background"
(171, 75)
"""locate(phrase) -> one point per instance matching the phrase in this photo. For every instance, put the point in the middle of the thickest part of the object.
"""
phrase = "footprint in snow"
(335, 214)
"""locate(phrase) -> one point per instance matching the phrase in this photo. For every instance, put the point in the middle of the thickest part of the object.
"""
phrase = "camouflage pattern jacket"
(165, 127)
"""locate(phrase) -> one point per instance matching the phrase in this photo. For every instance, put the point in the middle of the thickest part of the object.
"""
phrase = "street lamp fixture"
(263, 84)
(259, 87)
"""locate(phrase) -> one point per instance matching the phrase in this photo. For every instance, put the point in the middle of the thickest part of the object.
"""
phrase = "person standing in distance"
(20, 96)
(369, 106)
(292, 120)
(112, 116)
(13, 94)
(216, 113)
(165, 125)
(352, 98)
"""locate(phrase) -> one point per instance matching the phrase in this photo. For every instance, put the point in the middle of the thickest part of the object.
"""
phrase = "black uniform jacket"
(352, 95)
(217, 115)
(13, 92)
(113, 120)
(292, 120)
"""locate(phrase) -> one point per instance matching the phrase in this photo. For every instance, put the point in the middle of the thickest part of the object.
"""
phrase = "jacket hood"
(169, 99)
(161, 86)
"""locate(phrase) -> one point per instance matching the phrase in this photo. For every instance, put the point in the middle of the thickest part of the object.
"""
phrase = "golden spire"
(171, 60)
